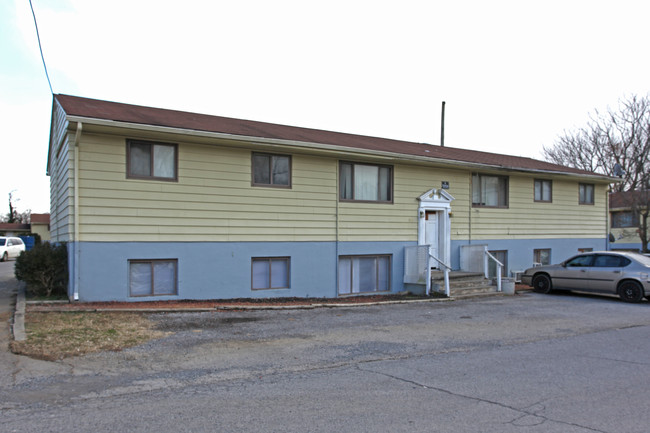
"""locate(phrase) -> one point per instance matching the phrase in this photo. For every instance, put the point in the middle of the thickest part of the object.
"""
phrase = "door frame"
(439, 201)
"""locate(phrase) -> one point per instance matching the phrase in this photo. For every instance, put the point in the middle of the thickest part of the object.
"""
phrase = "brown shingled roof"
(626, 199)
(105, 110)
(14, 227)
(40, 218)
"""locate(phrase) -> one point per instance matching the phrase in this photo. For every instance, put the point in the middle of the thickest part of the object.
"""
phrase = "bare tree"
(14, 216)
(615, 143)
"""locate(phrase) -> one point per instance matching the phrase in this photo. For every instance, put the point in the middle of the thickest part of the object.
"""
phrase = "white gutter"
(322, 147)
(77, 247)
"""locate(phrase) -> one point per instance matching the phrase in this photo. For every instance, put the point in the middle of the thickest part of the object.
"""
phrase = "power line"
(40, 47)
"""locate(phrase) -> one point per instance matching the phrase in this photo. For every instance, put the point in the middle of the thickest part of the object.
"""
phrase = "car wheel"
(630, 291)
(542, 283)
(4, 257)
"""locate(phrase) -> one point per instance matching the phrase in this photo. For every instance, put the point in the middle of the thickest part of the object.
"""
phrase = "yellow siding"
(526, 219)
(397, 221)
(61, 191)
(213, 200)
(42, 231)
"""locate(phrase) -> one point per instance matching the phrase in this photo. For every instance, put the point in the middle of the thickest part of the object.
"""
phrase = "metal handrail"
(499, 266)
(446, 270)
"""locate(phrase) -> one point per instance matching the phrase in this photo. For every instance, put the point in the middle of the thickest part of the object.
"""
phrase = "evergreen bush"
(44, 268)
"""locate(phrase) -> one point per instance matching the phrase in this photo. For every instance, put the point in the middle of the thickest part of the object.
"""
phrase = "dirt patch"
(57, 335)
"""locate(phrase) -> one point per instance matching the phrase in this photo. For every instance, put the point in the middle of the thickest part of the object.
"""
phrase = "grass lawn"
(57, 335)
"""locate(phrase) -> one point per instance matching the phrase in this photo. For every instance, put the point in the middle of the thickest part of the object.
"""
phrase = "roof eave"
(324, 147)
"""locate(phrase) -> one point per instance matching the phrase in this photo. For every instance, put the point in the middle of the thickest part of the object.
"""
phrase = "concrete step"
(463, 284)
(472, 291)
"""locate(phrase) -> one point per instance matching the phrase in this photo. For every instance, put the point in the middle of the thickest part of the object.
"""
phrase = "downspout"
(470, 208)
(608, 225)
(77, 247)
(336, 232)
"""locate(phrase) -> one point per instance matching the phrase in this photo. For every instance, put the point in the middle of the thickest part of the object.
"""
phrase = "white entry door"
(431, 234)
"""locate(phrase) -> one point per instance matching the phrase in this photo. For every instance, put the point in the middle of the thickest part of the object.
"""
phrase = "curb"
(18, 326)
(236, 307)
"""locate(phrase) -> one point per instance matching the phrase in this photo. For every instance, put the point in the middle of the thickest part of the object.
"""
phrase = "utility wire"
(40, 47)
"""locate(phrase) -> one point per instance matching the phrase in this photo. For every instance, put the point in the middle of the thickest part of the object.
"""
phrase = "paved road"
(527, 363)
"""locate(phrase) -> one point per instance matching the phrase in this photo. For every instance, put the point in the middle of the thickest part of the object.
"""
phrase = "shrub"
(44, 268)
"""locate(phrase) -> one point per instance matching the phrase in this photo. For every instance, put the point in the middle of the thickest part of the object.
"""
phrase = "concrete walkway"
(15, 369)
(18, 326)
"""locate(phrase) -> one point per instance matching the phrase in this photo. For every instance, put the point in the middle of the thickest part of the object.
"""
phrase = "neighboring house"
(625, 219)
(161, 204)
(14, 229)
(40, 225)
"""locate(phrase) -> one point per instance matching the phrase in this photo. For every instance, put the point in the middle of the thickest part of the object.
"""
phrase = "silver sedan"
(624, 274)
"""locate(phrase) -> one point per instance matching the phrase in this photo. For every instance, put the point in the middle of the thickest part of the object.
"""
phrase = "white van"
(10, 248)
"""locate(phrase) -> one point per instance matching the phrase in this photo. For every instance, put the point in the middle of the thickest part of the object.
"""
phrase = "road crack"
(528, 416)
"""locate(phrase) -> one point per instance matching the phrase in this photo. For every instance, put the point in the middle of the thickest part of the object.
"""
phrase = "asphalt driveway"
(525, 363)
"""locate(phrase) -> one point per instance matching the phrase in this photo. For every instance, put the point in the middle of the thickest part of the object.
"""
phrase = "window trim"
(286, 259)
(271, 185)
(129, 142)
(357, 256)
(593, 194)
(542, 199)
(391, 188)
(507, 192)
(152, 262)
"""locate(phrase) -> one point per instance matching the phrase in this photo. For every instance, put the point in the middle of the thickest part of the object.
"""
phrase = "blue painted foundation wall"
(521, 251)
(222, 270)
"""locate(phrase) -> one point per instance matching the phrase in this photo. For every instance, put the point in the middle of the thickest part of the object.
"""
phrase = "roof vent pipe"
(442, 126)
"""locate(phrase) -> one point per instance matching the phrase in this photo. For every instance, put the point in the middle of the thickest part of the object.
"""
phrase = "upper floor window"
(271, 170)
(151, 160)
(586, 193)
(543, 190)
(624, 219)
(366, 182)
(489, 191)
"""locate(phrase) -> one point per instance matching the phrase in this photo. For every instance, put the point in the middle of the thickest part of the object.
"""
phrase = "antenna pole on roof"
(442, 126)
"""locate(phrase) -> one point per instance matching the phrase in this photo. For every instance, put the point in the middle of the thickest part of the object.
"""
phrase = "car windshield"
(3, 242)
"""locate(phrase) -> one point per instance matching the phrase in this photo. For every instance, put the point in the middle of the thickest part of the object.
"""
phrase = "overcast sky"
(514, 74)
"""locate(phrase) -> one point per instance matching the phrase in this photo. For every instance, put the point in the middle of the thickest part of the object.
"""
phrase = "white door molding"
(439, 201)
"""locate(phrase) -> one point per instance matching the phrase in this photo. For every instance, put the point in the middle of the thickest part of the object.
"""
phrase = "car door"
(16, 247)
(11, 249)
(606, 271)
(574, 273)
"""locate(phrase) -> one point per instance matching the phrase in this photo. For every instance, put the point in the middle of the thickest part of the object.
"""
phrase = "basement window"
(364, 274)
(153, 277)
(270, 273)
